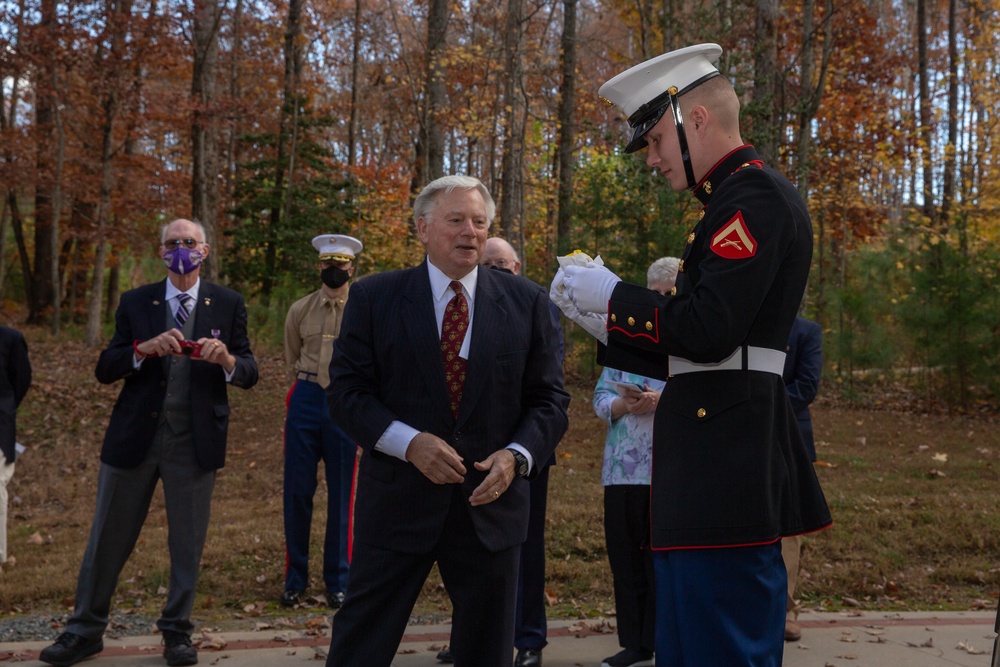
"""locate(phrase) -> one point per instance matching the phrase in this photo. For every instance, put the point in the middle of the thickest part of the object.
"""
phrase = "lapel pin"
(208, 301)
(215, 333)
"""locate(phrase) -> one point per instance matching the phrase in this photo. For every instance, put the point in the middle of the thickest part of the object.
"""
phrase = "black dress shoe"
(179, 650)
(70, 649)
(290, 598)
(444, 655)
(529, 657)
(335, 600)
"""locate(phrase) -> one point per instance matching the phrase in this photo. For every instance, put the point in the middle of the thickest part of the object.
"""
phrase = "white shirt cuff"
(396, 439)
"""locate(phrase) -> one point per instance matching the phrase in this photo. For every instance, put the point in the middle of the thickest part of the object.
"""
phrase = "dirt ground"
(917, 515)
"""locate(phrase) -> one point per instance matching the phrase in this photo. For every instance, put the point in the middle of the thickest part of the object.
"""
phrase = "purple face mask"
(182, 260)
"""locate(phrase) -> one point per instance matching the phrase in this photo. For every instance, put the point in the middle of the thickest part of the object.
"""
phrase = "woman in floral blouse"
(627, 403)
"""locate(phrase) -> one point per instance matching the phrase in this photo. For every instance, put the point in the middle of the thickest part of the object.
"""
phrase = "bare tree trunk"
(234, 94)
(38, 282)
(293, 68)
(812, 92)
(56, 214)
(118, 13)
(512, 163)
(948, 182)
(645, 10)
(6, 122)
(352, 126)
(567, 131)
(668, 25)
(204, 126)
(925, 111)
(765, 91)
(430, 139)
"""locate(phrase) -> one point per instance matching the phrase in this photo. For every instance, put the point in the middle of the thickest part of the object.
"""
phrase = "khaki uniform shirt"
(310, 327)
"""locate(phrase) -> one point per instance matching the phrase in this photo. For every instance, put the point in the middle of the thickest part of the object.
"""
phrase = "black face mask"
(334, 276)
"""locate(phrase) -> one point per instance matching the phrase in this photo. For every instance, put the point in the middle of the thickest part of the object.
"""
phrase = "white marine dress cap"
(338, 247)
(644, 92)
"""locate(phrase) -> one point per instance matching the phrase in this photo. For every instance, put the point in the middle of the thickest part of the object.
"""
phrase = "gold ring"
(496, 494)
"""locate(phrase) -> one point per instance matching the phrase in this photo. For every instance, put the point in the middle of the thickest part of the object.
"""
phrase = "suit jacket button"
(701, 413)
(154, 415)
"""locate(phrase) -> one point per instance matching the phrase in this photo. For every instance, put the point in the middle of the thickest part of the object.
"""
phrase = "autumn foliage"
(273, 122)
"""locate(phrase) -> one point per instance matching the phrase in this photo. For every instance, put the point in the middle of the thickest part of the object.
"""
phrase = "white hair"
(425, 200)
(663, 270)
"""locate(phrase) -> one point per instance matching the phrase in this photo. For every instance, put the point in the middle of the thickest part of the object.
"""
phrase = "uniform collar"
(741, 157)
(326, 298)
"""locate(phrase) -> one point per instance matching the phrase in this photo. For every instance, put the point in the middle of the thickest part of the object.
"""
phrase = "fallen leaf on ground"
(963, 646)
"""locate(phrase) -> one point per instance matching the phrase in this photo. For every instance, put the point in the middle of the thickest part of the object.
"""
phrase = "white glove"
(595, 325)
(589, 287)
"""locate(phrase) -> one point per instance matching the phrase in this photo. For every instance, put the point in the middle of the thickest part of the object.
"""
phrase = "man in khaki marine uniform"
(312, 324)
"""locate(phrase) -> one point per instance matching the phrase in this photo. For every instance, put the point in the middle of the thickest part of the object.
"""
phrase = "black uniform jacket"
(141, 315)
(15, 378)
(729, 465)
(387, 366)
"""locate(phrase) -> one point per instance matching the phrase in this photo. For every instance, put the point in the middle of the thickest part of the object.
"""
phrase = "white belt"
(758, 359)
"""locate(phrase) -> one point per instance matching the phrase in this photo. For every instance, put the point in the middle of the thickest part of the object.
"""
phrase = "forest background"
(274, 121)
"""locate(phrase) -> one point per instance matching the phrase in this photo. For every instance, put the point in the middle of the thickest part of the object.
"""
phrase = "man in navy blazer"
(801, 374)
(178, 344)
(437, 485)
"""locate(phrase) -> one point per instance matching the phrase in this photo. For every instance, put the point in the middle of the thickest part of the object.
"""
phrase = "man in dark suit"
(178, 344)
(448, 377)
(803, 367)
(15, 378)
(530, 624)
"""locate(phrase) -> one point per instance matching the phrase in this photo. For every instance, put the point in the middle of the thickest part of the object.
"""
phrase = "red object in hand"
(191, 348)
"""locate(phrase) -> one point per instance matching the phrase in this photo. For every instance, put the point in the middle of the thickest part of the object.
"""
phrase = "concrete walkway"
(912, 639)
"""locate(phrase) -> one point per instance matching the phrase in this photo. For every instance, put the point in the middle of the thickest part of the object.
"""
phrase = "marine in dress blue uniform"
(731, 475)
(311, 436)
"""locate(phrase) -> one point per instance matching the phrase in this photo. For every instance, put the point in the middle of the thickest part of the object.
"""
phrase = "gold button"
(673, 291)
(691, 237)
(631, 321)
(701, 214)
(701, 413)
(680, 266)
(649, 326)
(708, 187)
(614, 318)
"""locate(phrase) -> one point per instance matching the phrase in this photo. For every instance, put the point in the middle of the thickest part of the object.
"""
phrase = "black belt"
(306, 375)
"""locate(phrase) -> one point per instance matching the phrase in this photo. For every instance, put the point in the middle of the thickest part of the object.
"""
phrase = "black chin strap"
(675, 109)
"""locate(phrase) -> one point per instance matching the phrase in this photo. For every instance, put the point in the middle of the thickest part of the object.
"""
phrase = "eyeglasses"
(190, 244)
(502, 263)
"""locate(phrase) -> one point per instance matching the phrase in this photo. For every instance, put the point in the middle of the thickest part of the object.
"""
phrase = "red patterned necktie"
(453, 328)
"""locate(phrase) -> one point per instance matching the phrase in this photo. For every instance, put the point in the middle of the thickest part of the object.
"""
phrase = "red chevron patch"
(734, 240)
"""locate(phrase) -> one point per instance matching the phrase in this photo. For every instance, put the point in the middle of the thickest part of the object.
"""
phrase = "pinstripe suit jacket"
(387, 366)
